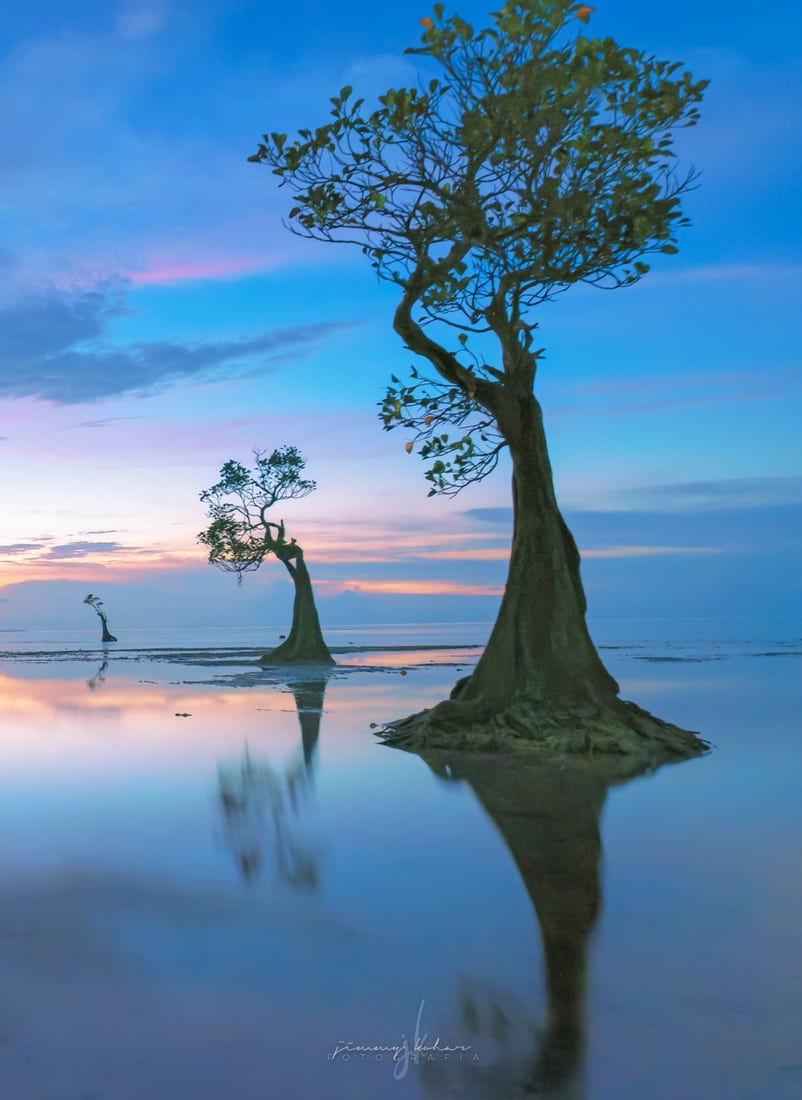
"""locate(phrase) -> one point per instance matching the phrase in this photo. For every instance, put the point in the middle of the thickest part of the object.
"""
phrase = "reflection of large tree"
(548, 816)
(261, 804)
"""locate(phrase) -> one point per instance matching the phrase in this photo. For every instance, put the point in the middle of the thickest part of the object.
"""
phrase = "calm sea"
(214, 882)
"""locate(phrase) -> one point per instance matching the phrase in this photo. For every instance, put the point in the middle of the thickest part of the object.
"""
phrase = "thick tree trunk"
(540, 684)
(540, 646)
(304, 644)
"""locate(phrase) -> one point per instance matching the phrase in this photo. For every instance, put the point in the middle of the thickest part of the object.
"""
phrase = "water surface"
(213, 880)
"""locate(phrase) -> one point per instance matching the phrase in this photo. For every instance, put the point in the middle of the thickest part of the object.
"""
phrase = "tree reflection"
(262, 805)
(99, 678)
(548, 816)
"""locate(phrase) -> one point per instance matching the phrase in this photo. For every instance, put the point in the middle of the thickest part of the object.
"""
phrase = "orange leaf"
(428, 420)
(426, 22)
(584, 13)
(408, 448)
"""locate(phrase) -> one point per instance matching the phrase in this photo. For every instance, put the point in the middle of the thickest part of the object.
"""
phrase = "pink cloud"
(487, 553)
(409, 588)
(393, 546)
(204, 269)
(647, 551)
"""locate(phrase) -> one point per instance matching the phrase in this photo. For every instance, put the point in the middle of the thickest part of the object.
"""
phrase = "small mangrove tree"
(240, 537)
(96, 603)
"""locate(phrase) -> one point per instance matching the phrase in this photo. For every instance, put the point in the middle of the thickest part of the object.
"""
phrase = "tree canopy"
(538, 157)
(240, 535)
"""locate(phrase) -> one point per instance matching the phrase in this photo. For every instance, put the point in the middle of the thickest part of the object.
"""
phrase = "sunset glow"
(158, 319)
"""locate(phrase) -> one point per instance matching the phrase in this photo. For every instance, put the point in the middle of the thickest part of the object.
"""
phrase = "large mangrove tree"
(536, 157)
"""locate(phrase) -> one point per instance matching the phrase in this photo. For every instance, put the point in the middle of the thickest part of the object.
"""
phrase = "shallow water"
(207, 887)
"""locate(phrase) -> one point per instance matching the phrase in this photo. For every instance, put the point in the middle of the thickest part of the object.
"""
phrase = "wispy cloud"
(13, 548)
(388, 544)
(355, 556)
(647, 551)
(90, 99)
(54, 346)
(203, 269)
(485, 553)
(105, 422)
(750, 122)
(372, 76)
(646, 383)
(80, 549)
(764, 272)
(734, 492)
(88, 562)
(676, 391)
(489, 515)
(138, 21)
(418, 587)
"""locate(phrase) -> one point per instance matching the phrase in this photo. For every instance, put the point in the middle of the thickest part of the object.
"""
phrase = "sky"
(158, 319)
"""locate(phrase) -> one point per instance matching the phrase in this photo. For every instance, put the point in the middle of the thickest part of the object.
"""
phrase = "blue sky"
(157, 319)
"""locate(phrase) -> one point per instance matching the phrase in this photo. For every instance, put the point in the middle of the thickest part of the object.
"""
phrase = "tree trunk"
(304, 644)
(540, 646)
(540, 679)
(107, 635)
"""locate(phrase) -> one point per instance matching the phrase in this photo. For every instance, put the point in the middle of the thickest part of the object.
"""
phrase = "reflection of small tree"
(257, 800)
(241, 536)
(99, 677)
(97, 604)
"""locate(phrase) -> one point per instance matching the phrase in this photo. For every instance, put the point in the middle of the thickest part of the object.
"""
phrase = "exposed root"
(534, 729)
(282, 658)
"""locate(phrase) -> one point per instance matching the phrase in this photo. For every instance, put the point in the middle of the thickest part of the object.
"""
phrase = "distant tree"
(539, 159)
(240, 537)
(96, 603)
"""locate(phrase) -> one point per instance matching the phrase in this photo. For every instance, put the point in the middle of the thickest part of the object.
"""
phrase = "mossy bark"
(304, 644)
(540, 683)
